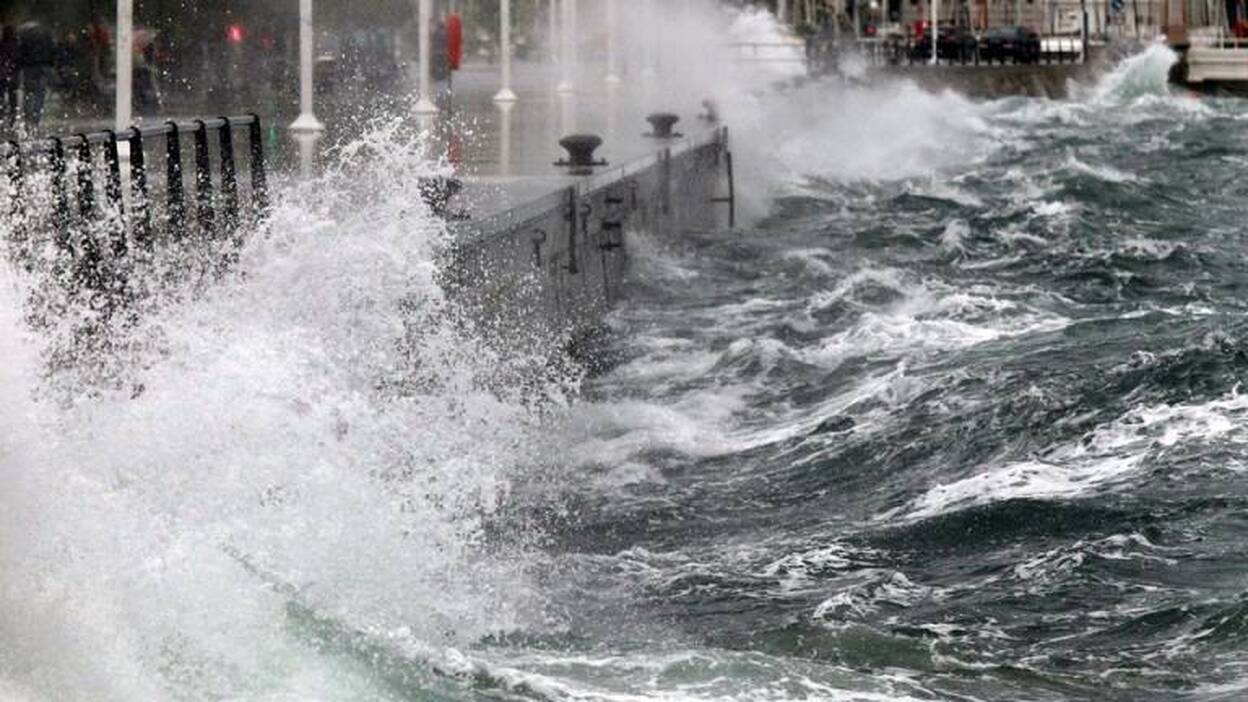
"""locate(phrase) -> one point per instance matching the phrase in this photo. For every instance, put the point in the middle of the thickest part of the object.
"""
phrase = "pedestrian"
(441, 59)
(8, 76)
(35, 56)
(146, 85)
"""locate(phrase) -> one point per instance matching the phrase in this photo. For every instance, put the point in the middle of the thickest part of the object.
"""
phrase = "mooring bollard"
(437, 193)
(580, 148)
(661, 124)
(711, 114)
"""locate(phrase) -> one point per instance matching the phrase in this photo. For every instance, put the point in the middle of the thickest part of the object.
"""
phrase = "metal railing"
(908, 51)
(779, 53)
(102, 202)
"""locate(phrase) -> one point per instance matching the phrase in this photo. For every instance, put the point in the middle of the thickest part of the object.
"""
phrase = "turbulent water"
(961, 418)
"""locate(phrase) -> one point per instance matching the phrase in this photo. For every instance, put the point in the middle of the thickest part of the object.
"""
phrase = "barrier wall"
(88, 208)
(546, 273)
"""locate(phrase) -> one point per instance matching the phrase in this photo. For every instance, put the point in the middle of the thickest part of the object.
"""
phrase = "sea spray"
(264, 438)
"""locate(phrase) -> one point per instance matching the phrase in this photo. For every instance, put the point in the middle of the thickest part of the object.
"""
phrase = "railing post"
(112, 194)
(259, 178)
(138, 183)
(229, 176)
(17, 196)
(665, 170)
(60, 210)
(112, 185)
(88, 268)
(203, 180)
(573, 264)
(176, 188)
(86, 185)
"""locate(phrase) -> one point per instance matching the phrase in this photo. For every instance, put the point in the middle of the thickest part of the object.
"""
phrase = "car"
(1010, 44)
(957, 43)
(953, 43)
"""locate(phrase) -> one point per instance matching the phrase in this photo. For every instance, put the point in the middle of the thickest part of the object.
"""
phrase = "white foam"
(1104, 458)
(266, 426)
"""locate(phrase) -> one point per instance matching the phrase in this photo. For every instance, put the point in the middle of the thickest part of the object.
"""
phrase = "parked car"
(1010, 44)
(953, 43)
(957, 44)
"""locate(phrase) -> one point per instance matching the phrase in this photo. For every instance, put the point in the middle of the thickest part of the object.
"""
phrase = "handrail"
(106, 221)
(47, 144)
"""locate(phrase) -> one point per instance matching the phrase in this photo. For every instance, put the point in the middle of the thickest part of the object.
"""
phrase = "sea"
(955, 414)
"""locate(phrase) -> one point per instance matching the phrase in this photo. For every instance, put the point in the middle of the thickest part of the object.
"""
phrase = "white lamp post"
(935, 31)
(566, 51)
(613, 73)
(307, 121)
(505, 93)
(125, 63)
(425, 106)
(504, 137)
(556, 42)
(649, 58)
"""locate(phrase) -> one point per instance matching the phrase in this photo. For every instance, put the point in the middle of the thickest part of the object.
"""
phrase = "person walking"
(8, 76)
(36, 54)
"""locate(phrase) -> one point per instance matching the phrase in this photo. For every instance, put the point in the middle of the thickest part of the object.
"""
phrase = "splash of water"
(153, 544)
(1145, 73)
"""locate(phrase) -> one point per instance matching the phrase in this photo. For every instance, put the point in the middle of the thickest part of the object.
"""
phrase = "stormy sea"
(957, 416)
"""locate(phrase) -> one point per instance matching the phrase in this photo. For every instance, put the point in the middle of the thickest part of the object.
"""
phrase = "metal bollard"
(661, 124)
(580, 148)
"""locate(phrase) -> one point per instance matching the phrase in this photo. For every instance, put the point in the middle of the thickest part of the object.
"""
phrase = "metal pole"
(307, 121)
(1083, 30)
(125, 63)
(425, 105)
(782, 11)
(649, 53)
(613, 74)
(556, 42)
(504, 138)
(935, 30)
(566, 58)
(574, 41)
(505, 93)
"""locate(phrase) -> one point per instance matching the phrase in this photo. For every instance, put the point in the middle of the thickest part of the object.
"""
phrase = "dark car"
(957, 44)
(953, 43)
(1010, 44)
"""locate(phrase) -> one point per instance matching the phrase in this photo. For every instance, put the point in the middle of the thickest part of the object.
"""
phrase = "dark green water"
(970, 433)
(958, 418)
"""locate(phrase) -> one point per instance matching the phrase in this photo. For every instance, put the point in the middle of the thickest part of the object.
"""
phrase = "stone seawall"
(986, 82)
(545, 274)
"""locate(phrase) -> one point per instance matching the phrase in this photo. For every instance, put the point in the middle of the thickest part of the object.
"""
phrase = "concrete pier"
(540, 258)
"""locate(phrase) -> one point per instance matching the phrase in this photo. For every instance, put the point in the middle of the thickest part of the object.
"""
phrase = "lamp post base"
(307, 122)
(425, 106)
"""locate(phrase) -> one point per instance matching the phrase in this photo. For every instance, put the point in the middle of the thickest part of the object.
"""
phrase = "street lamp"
(425, 106)
(125, 64)
(306, 122)
(613, 74)
(567, 50)
(505, 93)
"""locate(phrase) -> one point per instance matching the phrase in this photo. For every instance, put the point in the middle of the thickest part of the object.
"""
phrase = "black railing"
(978, 52)
(129, 193)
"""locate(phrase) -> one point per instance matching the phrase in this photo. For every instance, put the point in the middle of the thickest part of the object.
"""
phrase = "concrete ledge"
(984, 81)
(542, 276)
